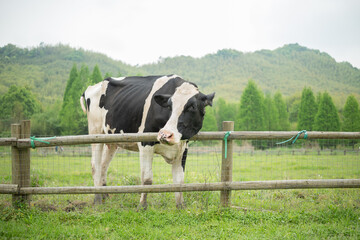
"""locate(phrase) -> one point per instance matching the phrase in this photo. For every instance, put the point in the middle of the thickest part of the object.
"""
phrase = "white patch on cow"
(107, 129)
(170, 152)
(157, 85)
(181, 96)
(118, 79)
(94, 112)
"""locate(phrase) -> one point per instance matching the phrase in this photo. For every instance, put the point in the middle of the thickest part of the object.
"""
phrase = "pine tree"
(293, 106)
(96, 76)
(280, 105)
(307, 111)
(327, 118)
(65, 112)
(351, 115)
(83, 80)
(251, 111)
(271, 116)
(71, 117)
(73, 75)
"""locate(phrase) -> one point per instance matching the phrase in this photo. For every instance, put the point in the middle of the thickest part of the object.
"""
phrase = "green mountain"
(45, 69)
(287, 69)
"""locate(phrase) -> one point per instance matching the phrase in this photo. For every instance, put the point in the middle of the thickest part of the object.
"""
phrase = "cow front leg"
(178, 178)
(97, 151)
(146, 157)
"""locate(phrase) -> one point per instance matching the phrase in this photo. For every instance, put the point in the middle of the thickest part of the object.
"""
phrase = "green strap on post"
(227, 134)
(296, 137)
(33, 139)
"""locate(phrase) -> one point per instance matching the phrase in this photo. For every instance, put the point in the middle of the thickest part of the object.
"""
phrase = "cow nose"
(165, 136)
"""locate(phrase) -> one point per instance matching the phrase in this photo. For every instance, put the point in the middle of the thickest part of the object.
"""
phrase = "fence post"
(226, 165)
(20, 162)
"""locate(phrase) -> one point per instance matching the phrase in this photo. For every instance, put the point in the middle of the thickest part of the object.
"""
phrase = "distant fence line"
(21, 143)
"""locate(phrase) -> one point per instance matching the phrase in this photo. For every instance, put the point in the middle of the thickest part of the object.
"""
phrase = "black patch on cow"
(191, 119)
(125, 100)
(88, 104)
(102, 101)
(183, 160)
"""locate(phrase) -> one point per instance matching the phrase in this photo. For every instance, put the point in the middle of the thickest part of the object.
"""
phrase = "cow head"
(187, 107)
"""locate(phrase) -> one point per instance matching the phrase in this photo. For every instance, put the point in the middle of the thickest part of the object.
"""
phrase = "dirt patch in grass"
(45, 206)
(75, 206)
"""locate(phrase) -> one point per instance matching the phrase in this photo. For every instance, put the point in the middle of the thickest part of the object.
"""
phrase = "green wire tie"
(227, 134)
(296, 137)
(33, 139)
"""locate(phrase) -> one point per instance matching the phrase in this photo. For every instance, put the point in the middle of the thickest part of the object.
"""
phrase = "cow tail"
(82, 98)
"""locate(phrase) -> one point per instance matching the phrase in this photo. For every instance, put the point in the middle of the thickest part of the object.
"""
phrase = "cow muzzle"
(166, 137)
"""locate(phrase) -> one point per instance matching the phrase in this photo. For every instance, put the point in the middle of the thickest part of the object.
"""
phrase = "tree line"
(257, 111)
(254, 111)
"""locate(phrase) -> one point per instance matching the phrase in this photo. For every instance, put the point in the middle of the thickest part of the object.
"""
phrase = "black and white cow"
(168, 105)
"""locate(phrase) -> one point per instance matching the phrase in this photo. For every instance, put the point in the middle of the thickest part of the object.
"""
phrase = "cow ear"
(163, 100)
(209, 99)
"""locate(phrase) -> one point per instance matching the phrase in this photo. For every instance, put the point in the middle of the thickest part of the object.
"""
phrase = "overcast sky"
(139, 32)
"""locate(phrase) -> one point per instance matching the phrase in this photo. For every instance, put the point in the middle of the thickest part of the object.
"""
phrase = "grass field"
(271, 214)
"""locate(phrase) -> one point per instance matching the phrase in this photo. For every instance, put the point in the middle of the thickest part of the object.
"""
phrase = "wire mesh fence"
(203, 163)
(253, 160)
(70, 165)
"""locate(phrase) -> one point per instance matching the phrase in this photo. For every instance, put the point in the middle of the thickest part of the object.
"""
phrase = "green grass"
(114, 221)
(270, 214)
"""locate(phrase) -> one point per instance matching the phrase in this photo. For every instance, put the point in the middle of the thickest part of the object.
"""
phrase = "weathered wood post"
(226, 164)
(20, 162)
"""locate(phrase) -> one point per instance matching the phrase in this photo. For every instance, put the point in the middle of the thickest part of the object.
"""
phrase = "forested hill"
(287, 69)
(45, 69)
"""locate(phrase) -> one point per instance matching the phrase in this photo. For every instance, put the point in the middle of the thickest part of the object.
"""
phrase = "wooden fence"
(21, 142)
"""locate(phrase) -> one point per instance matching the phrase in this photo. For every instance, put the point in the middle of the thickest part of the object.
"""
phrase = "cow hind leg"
(108, 153)
(97, 152)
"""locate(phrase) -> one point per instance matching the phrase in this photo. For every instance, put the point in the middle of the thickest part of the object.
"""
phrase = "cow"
(168, 105)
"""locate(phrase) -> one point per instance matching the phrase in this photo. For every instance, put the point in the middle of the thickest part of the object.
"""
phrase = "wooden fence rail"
(146, 137)
(21, 143)
(190, 187)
